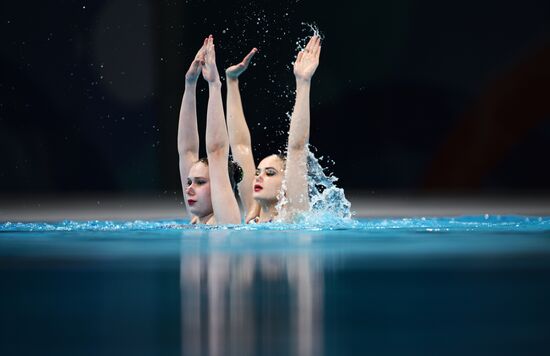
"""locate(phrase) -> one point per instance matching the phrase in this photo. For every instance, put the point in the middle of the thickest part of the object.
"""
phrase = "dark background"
(423, 96)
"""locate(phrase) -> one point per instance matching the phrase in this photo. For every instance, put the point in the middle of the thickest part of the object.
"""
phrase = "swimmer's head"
(197, 190)
(269, 178)
(234, 171)
(235, 175)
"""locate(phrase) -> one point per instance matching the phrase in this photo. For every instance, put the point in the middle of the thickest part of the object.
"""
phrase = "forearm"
(224, 203)
(239, 134)
(240, 142)
(188, 136)
(296, 174)
(298, 135)
(216, 130)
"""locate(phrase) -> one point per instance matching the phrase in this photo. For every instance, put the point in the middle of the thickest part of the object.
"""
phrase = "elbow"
(216, 142)
(298, 144)
(242, 149)
(217, 149)
(238, 141)
(186, 150)
(188, 145)
(182, 149)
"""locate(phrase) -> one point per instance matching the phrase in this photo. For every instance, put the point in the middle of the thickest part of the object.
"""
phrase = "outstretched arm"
(224, 203)
(298, 136)
(188, 136)
(239, 135)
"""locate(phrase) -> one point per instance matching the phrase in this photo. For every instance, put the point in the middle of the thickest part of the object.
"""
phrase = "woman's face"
(197, 192)
(269, 178)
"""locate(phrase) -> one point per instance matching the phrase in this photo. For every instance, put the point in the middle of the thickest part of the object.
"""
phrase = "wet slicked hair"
(280, 156)
(233, 169)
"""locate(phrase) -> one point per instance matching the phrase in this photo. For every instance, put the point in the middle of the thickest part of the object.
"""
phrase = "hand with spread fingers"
(239, 133)
(236, 70)
(209, 68)
(298, 133)
(195, 68)
(308, 60)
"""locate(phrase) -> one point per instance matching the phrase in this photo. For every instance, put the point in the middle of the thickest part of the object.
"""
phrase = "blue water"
(466, 285)
(487, 222)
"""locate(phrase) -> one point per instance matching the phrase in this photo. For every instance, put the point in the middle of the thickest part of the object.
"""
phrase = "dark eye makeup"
(198, 181)
(270, 172)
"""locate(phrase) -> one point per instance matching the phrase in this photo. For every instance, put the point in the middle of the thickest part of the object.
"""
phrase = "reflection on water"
(247, 304)
(228, 292)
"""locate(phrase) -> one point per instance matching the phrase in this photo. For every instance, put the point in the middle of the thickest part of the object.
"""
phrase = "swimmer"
(208, 195)
(260, 187)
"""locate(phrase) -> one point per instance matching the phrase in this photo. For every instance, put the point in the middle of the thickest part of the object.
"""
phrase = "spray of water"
(327, 202)
(328, 205)
(308, 30)
(324, 195)
(429, 225)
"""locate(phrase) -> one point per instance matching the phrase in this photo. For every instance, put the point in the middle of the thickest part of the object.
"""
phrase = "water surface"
(475, 285)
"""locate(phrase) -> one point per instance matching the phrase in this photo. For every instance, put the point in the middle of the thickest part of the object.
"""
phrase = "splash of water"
(309, 30)
(324, 195)
(327, 202)
(328, 205)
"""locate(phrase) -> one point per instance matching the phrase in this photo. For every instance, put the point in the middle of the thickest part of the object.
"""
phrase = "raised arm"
(224, 203)
(239, 135)
(188, 136)
(298, 136)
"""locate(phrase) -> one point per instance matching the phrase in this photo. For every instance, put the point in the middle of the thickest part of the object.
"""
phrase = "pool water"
(453, 286)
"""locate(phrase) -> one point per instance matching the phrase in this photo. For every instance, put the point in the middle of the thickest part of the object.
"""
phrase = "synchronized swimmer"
(208, 182)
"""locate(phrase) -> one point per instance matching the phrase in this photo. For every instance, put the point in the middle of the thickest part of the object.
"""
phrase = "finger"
(213, 53)
(204, 43)
(317, 44)
(201, 50)
(310, 43)
(300, 55)
(248, 58)
(318, 53)
(212, 47)
(317, 47)
(209, 44)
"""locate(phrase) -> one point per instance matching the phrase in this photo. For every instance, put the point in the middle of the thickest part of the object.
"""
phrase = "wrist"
(302, 83)
(190, 82)
(232, 81)
(216, 84)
